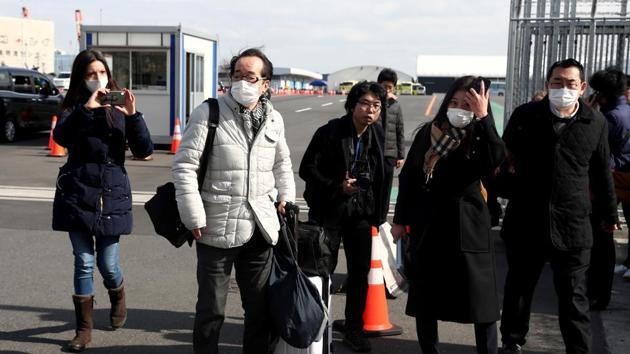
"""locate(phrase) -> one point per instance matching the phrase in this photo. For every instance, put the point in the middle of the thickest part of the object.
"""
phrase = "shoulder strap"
(213, 123)
(625, 139)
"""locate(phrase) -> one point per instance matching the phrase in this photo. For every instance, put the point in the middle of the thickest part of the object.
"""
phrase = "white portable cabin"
(169, 69)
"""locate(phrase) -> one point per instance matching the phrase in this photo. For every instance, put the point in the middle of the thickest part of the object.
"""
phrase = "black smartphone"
(477, 84)
(114, 98)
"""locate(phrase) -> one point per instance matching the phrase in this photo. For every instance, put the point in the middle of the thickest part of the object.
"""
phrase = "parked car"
(62, 81)
(418, 89)
(28, 100)
(497, 88)
(346, 86)
(404, 88)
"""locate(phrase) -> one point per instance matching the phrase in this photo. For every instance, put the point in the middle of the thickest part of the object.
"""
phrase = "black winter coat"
(324, 165)
(452, 267)
(551, 198)
(393, 125)
(93, 194)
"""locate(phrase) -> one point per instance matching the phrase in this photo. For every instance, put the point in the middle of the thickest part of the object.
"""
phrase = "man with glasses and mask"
(233, 217)
(345, 190)
(558, 147)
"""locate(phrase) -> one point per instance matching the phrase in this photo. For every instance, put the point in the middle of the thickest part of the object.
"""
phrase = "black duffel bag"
(297, 312)
(314, 250)
(162, 207)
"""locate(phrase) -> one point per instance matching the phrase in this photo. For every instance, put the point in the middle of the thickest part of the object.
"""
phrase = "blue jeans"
(107, 261)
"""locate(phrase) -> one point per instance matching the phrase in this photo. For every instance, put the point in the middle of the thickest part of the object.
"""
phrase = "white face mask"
(245, 92)
(563, 97)
(459, 118)
(94, 85)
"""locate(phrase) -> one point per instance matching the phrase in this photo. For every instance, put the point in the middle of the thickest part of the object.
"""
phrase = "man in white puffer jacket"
(234, 218)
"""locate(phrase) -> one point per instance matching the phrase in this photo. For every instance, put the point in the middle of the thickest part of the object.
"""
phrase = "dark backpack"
(162, 207)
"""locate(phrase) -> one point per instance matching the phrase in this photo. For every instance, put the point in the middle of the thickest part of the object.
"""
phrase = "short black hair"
(387, 74)
(610, 82)
(267, 70)
(566, 63)
(358, 90)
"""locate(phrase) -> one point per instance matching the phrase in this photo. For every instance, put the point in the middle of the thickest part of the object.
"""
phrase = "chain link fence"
(596, 33)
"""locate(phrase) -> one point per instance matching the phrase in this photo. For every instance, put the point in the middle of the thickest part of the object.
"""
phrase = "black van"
(28, 100)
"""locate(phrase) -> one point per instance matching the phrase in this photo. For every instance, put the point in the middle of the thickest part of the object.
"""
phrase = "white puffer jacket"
(240, 185)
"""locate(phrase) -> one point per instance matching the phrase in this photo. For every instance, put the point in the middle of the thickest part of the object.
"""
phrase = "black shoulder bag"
(162, 207)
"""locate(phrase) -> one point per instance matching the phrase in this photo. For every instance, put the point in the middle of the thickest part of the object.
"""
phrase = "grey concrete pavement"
(36, 313)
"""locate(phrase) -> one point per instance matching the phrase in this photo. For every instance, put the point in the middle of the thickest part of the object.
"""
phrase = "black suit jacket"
(560, 178)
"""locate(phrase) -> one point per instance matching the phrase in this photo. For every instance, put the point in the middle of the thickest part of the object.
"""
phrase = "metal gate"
(596, 33)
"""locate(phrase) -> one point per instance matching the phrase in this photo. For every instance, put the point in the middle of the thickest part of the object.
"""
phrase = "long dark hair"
(77, 92)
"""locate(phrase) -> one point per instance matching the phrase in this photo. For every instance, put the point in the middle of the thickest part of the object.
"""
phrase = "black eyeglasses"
(367, 104)
(252, 79)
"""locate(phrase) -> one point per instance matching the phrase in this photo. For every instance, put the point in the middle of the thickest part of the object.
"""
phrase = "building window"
(148, 71)
(139, 70)
(22, 84)
(5, 81)
(198, 73)
(118, 63)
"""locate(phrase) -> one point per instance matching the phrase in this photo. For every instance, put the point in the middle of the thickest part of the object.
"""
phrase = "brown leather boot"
(83, 312)
(118, 312)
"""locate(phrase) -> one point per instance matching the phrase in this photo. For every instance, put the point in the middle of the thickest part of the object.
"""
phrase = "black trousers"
(525, 264)
(427, 330)
(601, 270)
(357, 244)
(252, 262)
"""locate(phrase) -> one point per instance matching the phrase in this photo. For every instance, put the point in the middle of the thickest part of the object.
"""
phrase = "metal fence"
(596, 33)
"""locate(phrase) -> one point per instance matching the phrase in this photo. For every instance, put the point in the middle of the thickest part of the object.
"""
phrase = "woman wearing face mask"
(93, 197)
(451, 256)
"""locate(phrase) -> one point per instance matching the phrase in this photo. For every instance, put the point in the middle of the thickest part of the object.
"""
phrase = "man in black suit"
(558, 147)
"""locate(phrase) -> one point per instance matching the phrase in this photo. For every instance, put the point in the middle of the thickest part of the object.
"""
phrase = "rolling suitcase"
(324, 345)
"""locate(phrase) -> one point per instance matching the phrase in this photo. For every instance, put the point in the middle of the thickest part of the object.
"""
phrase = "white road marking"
(303, 110)
(327, 104)
(47, 194)
(320, 96)
(343, 100)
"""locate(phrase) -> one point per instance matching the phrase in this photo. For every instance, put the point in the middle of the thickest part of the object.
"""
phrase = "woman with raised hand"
(451, 269)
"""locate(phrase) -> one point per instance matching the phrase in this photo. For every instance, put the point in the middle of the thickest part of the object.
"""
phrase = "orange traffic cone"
(177, 136)
(57, 150)
(375, 316)
(52, 127)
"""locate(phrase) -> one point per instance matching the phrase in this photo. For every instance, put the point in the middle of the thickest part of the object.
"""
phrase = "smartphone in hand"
(477, 84)
(114, 98)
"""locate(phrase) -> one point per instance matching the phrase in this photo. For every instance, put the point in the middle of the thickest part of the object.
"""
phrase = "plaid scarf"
(443, 141)
(253, 120)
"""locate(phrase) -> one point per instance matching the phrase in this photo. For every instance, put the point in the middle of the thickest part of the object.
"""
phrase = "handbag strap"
(213, 123)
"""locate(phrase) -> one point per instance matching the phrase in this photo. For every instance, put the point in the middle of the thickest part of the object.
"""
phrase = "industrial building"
(360, 73)
(27, 43)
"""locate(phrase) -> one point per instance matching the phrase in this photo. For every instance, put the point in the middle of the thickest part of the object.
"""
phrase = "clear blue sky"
(319, 35)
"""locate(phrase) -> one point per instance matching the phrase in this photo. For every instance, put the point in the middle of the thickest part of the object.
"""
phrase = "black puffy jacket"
(393, 125)
(93, 194)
